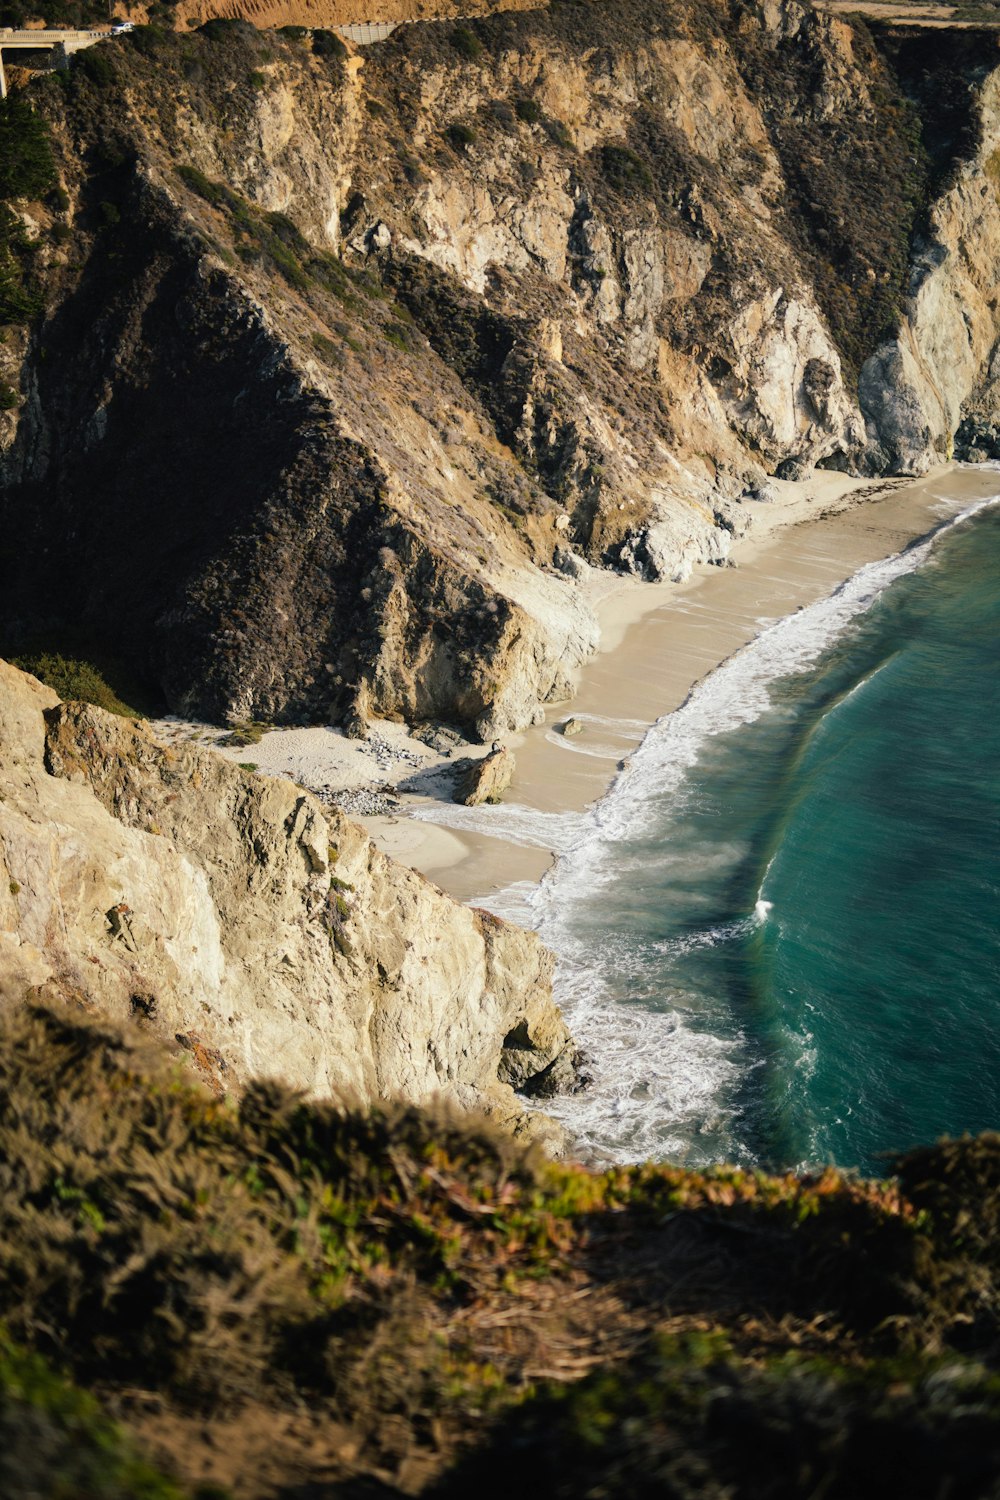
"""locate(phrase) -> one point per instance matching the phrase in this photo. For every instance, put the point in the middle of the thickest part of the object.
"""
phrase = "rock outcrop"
(262, 931)
(943, 367)
(353, 367)
(485, 779)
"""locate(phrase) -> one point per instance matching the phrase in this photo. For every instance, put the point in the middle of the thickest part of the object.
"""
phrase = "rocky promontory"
(258, 931)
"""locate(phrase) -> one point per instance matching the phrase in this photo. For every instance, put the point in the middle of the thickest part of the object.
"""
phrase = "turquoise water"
(796, 917)
(779, 933)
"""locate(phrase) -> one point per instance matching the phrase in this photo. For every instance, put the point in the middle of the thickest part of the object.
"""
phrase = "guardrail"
(41, 37)
(363, 33)
(26, 40)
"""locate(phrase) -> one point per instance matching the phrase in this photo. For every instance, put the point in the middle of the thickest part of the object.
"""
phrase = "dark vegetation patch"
(461, 135)
(419, 1285)
(625, 171)
(55, 13)
(466, 43)
(690, 1420)
(26, 171)
(939, 73)
(857, 179)
(74, 680)
(55, 1440)
(328, 44)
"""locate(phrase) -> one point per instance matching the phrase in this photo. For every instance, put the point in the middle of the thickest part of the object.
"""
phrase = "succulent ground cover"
(271, 1294)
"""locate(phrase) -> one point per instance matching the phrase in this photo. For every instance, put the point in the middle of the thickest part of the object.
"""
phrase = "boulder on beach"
(484, 780)
(572, 726)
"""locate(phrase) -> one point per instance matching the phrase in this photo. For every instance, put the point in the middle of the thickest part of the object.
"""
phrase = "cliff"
(261, 933)
(352, 366)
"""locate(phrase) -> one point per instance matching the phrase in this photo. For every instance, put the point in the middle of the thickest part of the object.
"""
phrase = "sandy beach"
(657, 642)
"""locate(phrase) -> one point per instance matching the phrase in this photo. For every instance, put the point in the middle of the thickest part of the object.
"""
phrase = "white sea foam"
(598, 752)
(659, 1077)
(511, 822)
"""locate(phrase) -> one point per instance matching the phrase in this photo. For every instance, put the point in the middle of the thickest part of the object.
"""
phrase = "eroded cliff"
(353, 366)
(261, 932)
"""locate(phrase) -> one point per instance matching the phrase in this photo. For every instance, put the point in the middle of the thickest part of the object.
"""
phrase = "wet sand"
(659, 641)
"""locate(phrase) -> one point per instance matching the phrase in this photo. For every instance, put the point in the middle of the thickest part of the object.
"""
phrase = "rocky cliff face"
(262, 932)
(352, 368)
(942, 366)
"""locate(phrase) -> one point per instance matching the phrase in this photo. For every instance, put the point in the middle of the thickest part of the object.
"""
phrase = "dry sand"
(658, 641)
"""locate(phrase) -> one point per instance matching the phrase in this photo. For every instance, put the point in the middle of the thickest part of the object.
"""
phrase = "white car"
(122, 26)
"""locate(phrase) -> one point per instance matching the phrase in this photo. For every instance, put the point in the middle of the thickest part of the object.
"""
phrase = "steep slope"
(919, 388)
(262, 932)
(352, 365)
(290, 1300)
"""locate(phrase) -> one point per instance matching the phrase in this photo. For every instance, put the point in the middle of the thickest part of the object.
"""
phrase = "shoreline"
(657, 642)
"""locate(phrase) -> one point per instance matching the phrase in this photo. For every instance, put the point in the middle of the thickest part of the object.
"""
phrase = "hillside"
(351, 366)
(282, 1300)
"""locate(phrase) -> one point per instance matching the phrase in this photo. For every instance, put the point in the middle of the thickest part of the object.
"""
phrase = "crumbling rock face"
(263, 932)
(351, 365)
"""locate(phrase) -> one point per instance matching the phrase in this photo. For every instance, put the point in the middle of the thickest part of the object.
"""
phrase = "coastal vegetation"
(426, 1296)
(26, 171)
(74, 679)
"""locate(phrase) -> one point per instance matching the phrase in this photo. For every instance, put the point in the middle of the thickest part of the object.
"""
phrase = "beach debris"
(484, 780)
(362, 801)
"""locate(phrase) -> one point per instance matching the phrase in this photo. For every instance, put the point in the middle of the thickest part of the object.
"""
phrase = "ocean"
(778, 934)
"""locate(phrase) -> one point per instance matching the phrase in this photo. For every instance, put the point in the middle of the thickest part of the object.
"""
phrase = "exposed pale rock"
(238, 909)
(562, 349)
(572, 726)
(486, 779)
(915, 388)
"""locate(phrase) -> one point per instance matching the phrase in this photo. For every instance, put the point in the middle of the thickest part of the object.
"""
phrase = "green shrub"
(558, 133)
(212, 192)
(74, 681)
(56, 1441)
(461, 136)
(328, 44)
(398, 335)
(26, 171)
(26, 167)
(466, 43)
(626, 172)
(224, 29)
(96, 64)
(149, 41)
(528, 110)
(249, 732)
(258, 80)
